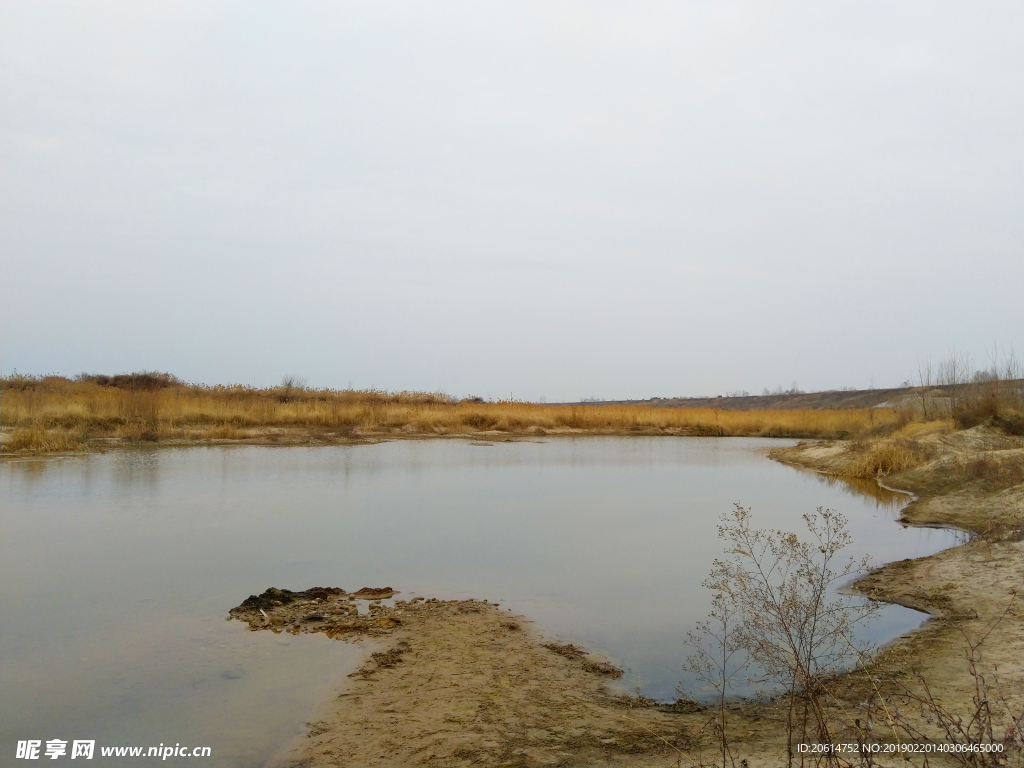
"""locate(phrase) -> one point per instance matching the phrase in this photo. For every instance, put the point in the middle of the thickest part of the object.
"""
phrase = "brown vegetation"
(59, 414)
(54, 413)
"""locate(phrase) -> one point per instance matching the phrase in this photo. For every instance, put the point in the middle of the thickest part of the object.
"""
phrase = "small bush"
(141, 381)
(977, 412)
(1010, 423)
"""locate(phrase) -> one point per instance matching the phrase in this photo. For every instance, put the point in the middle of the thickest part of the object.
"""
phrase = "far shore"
(55, 414)
(298, 438)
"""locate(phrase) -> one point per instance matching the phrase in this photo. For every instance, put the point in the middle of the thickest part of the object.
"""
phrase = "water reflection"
(137, 469)
(861, 488)
(30, 472)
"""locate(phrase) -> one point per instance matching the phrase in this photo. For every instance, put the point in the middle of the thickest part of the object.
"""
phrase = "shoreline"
(302, 439)
(970, 592)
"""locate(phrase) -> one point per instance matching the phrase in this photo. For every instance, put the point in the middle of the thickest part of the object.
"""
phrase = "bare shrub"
(987, 732)
(778, 594)
(994, 471)
(925, 379)
(989, 407)
(718, 657)
(292, 388)
(986, 395)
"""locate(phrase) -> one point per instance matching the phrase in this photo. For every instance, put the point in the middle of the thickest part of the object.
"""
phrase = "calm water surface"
(117, 570)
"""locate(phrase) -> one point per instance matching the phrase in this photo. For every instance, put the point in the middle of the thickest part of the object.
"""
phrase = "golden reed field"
(58, 414)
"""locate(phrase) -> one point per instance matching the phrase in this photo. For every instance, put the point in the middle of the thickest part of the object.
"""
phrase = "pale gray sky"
(544, 199)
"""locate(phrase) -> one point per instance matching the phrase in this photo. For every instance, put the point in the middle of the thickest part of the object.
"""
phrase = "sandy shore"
(469, 683)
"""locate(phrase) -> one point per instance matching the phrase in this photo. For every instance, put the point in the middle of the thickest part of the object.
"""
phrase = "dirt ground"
(468, 683)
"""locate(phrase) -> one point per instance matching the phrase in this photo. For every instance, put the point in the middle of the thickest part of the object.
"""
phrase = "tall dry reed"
(175, 410)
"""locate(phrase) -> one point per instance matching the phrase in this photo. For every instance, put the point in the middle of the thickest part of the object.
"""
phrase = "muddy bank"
(330, 610)
(464, 682)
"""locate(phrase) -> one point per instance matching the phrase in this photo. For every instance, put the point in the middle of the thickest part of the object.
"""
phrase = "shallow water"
(117, 570)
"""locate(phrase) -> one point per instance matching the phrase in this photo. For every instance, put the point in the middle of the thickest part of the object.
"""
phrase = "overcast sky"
(557, 200)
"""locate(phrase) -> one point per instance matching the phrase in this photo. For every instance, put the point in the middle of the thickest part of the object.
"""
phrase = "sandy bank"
(469, 683)
(969, 480)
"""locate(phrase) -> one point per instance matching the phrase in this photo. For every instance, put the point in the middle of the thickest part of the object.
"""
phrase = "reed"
(173, 410)
(888, 457)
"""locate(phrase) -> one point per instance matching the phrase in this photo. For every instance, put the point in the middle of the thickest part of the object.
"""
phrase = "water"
(117, 570)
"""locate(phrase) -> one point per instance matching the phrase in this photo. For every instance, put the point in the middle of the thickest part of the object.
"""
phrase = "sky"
(550, 200)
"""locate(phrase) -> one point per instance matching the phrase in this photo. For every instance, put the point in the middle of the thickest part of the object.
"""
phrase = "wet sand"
(469, 683)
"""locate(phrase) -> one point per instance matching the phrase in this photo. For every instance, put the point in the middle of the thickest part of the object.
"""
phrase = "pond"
(117, 570)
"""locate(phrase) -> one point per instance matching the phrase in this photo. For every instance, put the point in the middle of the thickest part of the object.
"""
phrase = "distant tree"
(924, 384)
(954, 376)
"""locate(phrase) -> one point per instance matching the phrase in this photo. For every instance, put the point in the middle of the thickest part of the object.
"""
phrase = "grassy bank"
(58, 414)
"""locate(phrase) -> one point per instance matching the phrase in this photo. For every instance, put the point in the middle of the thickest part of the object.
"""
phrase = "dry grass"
(905, 445)
(993, 470)
(920, 429)
(82, 410)
(888, 457)
(36, 439)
